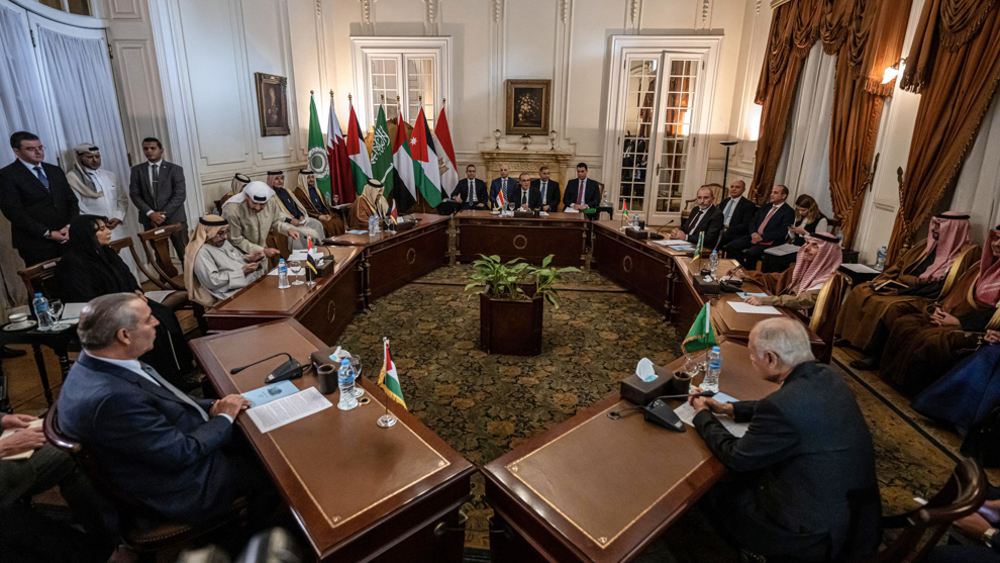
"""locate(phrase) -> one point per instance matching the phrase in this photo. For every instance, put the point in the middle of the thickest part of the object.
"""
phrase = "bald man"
(705, 218)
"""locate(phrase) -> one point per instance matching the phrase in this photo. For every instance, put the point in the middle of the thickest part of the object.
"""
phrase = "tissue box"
(640, 392)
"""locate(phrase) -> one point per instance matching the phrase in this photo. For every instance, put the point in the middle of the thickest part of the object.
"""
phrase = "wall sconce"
(496, 135)
(552, 139)
(894, 71)
(525, 140)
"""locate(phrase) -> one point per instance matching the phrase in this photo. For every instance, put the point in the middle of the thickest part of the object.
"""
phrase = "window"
(79, 7)
(416, 69)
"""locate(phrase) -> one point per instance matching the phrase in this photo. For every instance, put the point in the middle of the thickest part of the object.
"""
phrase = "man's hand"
(481, 205)
(250, 268)
(58, 236)
(22, 441)
(9, 421)
(973, 526)
(992, 336)
(295, 222)
(293, 234)
(753, 300)
(545, 208)
(755, 238)
(255, 256)
(324, 217)
(578, 207)
(458, 199)
(940, 318)
(709, 404)
(231, 405)
(270, 252)
(157, 218)
(677, 234)
(113, 222)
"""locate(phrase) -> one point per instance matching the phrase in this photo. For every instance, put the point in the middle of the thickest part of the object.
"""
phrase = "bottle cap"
(716, 349)
(714, 252)
(38, 295)
(345, 362)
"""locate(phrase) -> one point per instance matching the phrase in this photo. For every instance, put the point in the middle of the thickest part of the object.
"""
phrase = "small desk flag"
(388, 380)
(702, 334)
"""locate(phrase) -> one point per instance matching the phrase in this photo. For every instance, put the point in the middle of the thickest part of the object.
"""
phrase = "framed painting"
(528, 104)
(272, 104)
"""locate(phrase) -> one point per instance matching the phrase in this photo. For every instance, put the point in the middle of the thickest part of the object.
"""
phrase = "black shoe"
(7, 352)
(869, 363)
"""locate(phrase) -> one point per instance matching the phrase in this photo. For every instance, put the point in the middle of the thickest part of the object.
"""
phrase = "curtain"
(22, 108)
(977, 189)
(804, 166)
(954, 64)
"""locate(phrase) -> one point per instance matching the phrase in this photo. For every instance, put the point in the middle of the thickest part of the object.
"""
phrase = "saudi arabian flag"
(382, 152)
(701, 335)
(318, 162)
(388, 380)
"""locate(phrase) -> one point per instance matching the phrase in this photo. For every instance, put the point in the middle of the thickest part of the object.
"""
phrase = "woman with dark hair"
(808, 220)
(90, 268)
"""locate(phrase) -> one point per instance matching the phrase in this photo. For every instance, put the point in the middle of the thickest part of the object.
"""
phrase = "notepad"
(268, 393)
(288, 409)
(741, 307)
(37, 423)
(783, 250)
(686, 413)
(745, 295)
(357, 232)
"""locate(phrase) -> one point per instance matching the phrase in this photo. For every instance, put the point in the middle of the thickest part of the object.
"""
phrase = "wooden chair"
(718, 194)
(40, 278)
(824, 315)
(140, 528)
(178, 300)
(156, 244)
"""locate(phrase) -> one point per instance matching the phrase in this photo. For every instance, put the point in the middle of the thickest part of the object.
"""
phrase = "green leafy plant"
(506, 281)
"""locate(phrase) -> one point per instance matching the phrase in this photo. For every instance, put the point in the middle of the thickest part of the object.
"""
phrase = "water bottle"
(713, 263)
(283, 275)
(635, 221)
(371, 226)
(880, 259)
(711, 382)
(41, 307)
(345, 377)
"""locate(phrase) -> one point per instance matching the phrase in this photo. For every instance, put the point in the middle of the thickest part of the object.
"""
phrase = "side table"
(58, 340)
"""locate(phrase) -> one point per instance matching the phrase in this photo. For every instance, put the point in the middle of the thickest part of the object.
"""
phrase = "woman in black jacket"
(90, 268)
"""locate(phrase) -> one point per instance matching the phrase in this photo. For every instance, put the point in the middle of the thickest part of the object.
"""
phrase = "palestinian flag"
(426, 174)
(318, 158)
(341, 182)
(405, 191)
(701, 335)
(446, 157)
(357, 152)
(388, 380)
(382, 152)
(625, 210)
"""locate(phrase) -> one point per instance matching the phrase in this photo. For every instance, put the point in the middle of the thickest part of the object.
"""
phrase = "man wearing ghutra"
(254, 213)
(97, 190)
(297, 216)
(219, 269)
(798, 287)
(307, 193)
(370, 203)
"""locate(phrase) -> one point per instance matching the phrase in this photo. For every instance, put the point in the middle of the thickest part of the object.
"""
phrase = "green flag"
(701, 335)
(318, 159)
(382, 152)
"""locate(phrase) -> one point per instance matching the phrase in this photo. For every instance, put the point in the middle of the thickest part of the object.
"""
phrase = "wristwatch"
(988, 537)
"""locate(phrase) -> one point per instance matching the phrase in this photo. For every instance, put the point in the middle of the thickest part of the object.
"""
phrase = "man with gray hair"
(804, 471)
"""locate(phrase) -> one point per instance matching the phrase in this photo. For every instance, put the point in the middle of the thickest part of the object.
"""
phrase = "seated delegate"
(581, 193)
(737, 212)
(808, 220)
(293, 208)
(252, 215)
(471, 192)
(314, 204)
(216, 269)
(526, 196)
(371, 203)
(767, 228)
(547, 189)
(705, 218)
(798, 287)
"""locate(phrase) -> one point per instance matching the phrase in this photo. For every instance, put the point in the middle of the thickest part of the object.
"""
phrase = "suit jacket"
(591, 195)
(739, 221)
(777, 228)
(169, 197)
(462, 189)
(495, 189)
(149, 444)
(804, 469)
(31, 209)
(551, 193)
(710, 224)
(534, 197)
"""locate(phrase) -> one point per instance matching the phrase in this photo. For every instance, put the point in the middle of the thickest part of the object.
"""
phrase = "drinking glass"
(56, 308)
(336, 199)
(356, 368)
(692, 366)
(295, 267)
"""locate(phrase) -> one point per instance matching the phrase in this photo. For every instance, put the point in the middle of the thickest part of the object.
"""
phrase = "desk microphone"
(288, 370)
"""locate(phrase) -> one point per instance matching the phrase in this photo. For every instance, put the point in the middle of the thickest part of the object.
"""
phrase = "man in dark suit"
(705, 218)
(37, 200)
(804, 472)
(737, 212)
(504, 183)
(591, 194)
(526, 197)
(548, 190)
(157, 189)
(769, 226)
(471, 192)
(152, 442)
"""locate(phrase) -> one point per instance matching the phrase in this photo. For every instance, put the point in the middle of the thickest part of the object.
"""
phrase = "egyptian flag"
(501, 200)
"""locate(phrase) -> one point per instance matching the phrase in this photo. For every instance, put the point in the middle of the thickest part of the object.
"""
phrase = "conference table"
(564, 235)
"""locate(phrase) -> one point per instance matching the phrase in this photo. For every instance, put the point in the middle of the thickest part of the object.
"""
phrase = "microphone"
(234, 371)
(291, 369)
(685, 396)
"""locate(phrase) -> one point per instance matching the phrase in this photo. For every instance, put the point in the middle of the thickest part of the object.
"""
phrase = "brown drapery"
(867, 36)
(955, 65)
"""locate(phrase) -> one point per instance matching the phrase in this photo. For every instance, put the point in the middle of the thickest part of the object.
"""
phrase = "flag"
(382, 152)
(426, 174)
(446, 154)
(311, 269)
(341, 183)
(701, 335)
(625, 210)
(701, 244)
(405, 192)
(318, 157)
(357, 152)
(501, 200)
(388, 380)
(392, 214)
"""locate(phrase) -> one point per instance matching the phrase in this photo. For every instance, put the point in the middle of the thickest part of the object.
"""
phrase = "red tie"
(580, 187)
(760, 230)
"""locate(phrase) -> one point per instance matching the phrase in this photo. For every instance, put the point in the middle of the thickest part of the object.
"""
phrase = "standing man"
(97, 190)
(503, 183)
(737, 212)
(587, 197)
(471, 192)
(705, 218)
(547, 189)
(527, 196)
(157, 189)
(37, 200)
(769, 226)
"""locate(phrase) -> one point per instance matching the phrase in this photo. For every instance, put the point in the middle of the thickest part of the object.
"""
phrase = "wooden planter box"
(511, 327)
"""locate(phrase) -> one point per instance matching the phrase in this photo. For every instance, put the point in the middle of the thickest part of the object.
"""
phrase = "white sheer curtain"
(977, 191)
(805, 160)
(22, 108)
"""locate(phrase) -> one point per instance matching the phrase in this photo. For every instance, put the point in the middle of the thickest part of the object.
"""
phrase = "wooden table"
(594, 489)
(359, 492)
(561, 234)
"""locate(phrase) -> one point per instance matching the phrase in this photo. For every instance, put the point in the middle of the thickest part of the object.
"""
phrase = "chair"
(177, 300)
(824, 315)
(718, 194)
(156, 244)
(40, 278)
(141, 529)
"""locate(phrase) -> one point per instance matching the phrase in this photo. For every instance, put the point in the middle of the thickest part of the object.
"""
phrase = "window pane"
(675, 127)
(81, 7)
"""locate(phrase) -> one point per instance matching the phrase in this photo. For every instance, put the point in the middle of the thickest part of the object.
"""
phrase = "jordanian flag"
(405, 192)
(382, 152)
(318, 162)
(426, 173)
(701, 335)
(361, 165)
(388, 380)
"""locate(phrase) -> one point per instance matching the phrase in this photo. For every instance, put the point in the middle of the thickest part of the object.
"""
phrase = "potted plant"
(511, 302)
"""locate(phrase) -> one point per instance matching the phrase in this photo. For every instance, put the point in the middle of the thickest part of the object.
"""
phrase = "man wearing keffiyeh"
(798, 287)
(252, 214)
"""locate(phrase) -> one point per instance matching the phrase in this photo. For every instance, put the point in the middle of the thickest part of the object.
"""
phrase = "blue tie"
(41, 176)
(729, 211)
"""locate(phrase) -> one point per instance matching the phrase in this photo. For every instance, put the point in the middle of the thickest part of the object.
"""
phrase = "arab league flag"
(426, 174)
(701, 335)
(341, 182)
(318, 162)
(406, 189)
(446, 154)
(387, 378)
(382, 152)
(357, 152)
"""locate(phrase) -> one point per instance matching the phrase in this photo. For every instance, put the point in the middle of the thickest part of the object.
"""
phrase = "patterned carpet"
(484, 405)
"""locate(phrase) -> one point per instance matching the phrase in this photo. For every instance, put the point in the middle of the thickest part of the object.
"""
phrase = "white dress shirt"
(159, 165)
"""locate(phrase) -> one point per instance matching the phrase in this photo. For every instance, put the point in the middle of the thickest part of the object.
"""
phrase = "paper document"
(71, 313)
(158, 295)
(671, 242)
(782, 250)
(741, 307)
(357, 232)
(37, 423)
(542, 214)
(302, 254)
(745, 295)
(288, 409)
(570, 210)
(686, 413)
(860, 268)
(268, 393)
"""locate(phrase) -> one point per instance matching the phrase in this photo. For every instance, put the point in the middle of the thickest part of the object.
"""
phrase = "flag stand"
(387, 420)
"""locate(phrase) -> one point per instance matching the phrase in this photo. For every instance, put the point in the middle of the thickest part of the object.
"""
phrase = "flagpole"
(388, 419)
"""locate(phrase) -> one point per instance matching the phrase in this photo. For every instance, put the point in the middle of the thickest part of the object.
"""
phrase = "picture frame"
(272, 104)
(528, 107)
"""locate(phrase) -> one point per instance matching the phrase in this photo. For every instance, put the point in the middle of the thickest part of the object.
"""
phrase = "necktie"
(504, 188)
(729, 211)
(544, 185)
(694, 220)
(760, 230)
(472, 192)
(41, 176)
(166, 385)
(524, 197)
(154, 185)
(581, 185)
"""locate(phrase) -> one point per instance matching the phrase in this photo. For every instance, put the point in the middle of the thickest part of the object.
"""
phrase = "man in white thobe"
(98, 190)
(254, 213)
(220, 270)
